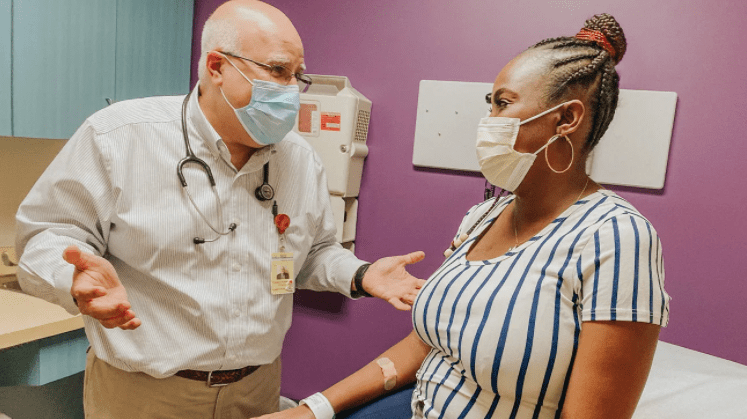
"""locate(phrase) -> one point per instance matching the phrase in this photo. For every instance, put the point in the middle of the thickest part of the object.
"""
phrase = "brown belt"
(218, 378)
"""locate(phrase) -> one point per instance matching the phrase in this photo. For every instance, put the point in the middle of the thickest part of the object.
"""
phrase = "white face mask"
(500, 163)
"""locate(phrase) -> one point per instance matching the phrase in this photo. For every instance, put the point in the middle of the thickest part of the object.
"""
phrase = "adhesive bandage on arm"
(320, 406)
(390, 374)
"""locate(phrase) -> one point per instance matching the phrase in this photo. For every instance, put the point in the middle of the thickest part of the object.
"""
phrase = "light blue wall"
(70, 56)
(5, 66)
(155, 60)
(63, 64)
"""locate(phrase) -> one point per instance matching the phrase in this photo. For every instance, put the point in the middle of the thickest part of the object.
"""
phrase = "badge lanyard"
(282, 274)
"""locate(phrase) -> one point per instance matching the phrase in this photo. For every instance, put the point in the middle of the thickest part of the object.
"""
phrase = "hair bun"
(608, 26)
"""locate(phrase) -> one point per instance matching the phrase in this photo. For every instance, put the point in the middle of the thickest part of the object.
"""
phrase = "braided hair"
(587, 64)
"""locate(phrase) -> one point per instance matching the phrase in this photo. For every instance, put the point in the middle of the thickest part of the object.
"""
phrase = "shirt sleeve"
(328, 266)
(68, 205)
(621, 273)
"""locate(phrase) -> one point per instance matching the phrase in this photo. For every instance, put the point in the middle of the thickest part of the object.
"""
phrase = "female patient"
(550, 301)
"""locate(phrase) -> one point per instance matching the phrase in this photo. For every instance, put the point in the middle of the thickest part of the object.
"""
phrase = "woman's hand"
(300, 412)
(98, 292)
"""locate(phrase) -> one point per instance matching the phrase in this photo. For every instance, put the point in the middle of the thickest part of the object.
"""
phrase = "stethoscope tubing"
(191, 158)
(263, 193)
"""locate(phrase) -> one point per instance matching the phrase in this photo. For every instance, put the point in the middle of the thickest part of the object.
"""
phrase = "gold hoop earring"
(548, 147)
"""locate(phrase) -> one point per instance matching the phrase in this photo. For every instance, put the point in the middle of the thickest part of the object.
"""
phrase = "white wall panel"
(633, 152)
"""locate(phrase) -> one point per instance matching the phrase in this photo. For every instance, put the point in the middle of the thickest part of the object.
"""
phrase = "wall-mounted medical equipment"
(346, 217)
(633, 152)
(334, 119)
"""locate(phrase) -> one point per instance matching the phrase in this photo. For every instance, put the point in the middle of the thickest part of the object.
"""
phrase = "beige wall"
(22, 161)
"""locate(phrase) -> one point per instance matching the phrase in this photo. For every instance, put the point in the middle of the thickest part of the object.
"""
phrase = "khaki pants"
(110, 393)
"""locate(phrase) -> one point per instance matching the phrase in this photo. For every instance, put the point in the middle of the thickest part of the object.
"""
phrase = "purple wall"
(694, 48)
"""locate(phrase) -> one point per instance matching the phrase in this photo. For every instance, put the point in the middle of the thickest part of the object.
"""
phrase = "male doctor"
(174, 276)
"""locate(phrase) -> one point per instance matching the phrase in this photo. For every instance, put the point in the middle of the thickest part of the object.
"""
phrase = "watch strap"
(358, 281)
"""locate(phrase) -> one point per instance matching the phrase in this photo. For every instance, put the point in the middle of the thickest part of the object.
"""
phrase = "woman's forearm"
(367, 383)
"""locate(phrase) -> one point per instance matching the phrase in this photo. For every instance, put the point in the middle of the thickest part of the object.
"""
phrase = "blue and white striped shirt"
(113, 191)
(504, 331)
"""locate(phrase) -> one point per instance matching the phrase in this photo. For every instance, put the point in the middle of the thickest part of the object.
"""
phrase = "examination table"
(683, 384)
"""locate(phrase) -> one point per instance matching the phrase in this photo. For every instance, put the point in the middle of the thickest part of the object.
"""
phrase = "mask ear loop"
(555, 137)
(237, 69)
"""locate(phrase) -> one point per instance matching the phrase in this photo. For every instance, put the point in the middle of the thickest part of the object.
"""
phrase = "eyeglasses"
(279, 72)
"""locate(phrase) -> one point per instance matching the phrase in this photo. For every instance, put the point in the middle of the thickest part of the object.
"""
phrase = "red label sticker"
(330, 121)
(305, 122)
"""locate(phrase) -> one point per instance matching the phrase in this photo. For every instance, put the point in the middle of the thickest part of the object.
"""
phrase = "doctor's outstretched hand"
(387, 279)
(98, 292)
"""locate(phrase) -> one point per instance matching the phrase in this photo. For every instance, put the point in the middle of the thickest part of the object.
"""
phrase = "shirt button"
(236, 313)
(236, 267)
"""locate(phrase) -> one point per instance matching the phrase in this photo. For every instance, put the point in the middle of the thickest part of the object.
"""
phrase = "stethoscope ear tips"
(200, 240)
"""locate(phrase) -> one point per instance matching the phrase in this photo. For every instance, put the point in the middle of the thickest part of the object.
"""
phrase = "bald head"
(237, 25)
(256, 17)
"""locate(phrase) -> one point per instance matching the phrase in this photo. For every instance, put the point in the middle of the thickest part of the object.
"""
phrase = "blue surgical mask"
(271, 113)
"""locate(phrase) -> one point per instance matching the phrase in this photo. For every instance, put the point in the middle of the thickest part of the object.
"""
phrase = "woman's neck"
(540, 204)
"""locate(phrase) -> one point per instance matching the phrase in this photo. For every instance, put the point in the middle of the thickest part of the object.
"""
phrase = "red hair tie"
(599, 38)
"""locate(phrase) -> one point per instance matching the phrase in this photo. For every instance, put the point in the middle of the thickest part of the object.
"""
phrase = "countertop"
(24, 318)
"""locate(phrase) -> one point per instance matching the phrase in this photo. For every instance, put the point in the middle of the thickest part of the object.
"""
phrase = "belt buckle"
(210, 379)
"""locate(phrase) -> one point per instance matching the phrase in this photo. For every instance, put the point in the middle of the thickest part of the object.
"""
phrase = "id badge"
(282, 275)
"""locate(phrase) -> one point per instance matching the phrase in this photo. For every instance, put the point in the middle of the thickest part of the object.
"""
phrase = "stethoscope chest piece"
(264, 192)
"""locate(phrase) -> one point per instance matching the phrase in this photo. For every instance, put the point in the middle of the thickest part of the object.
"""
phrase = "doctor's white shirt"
(113, 191)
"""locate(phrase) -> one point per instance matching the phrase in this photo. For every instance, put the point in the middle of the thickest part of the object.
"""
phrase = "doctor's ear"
(572, 116)
(214, 64)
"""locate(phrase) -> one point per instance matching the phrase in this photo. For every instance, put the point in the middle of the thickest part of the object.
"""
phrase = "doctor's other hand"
(97, 290)
(387, 279)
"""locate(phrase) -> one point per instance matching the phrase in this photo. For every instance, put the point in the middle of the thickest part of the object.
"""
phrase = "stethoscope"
(264, 192)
